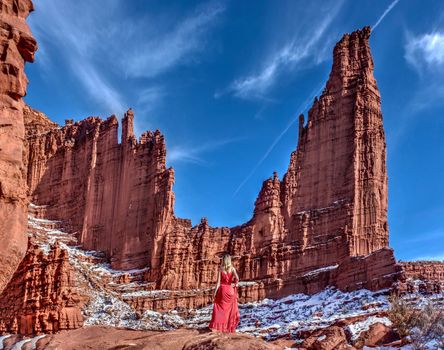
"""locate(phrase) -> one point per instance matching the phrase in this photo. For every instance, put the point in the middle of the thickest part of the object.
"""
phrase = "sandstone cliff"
(41, 297)
(324, 223)
(115, 197)
(425, 277)
(18, 46)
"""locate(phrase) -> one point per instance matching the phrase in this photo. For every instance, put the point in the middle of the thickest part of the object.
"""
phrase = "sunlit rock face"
(18, 46)
(324, 223)
(425, 277)
(115, 197)
(42, 295)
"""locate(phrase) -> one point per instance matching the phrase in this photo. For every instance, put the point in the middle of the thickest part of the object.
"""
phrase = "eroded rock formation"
(324, 223)
(116, 198)
(424, 270)
(18, 46)
(425, 277)
(41, 297)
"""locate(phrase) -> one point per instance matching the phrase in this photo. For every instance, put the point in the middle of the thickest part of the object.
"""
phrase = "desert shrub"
(428, 327)
(401, 315)
(423, 325)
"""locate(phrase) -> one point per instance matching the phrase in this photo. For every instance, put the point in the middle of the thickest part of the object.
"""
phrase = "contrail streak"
(302, 108)
(387, 10)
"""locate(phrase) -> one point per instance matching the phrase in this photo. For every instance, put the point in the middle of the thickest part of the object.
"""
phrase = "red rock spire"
(18, 46)
(339, 165)
(128, 126)
(315, 228)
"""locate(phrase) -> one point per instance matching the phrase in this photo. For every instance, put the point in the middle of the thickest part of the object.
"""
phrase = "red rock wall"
(18, 46)
(426, 277)
(324, 224)
(117, 198)
(337, 179)
(330, 207)
(424, 270)
(42, 295)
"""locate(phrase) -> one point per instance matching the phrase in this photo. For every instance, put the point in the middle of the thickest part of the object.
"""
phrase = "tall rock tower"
(337, 178)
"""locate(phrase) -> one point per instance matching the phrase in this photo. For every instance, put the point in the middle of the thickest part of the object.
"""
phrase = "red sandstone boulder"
(227, 342)
(331, 338)
(378, 334)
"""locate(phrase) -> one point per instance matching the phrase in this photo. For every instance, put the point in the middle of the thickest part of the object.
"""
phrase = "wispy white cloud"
(196, 154)
(385, 13)
(157, 55)
(431, 257)
(303, 45)
(425, 51)
(103, 47)
(58, 25)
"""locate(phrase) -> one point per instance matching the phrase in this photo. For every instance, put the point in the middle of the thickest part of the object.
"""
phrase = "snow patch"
(18, 345)
(322, 269)
(2, 338)
(358, 327)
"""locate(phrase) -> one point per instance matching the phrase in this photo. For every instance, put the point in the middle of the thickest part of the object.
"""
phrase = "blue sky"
(225, 81)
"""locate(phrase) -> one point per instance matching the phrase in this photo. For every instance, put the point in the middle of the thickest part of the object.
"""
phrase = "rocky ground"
(330, 319)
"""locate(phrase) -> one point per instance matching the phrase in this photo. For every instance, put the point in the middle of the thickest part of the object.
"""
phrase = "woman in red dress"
(226, 315)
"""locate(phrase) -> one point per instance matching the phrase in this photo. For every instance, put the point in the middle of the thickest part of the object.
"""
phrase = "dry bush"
(422, 325)
(401, 315)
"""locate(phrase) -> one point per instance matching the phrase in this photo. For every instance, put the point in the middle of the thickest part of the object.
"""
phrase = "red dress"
(226, 315)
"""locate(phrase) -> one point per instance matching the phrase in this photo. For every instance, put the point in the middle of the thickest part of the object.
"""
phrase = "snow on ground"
(35, 340)
(322, 269)
(358, 327)
(18, 345)
(2, 338)
(22, 342)
(268, 318)
(274, 318)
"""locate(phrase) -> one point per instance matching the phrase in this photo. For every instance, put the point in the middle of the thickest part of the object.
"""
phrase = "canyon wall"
(42, 296)
(426, 277)
(115, 197)
(425, 270)
(324, 223)
(18, 47)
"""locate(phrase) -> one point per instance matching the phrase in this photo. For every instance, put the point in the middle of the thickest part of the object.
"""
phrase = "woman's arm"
(217, 284)
(237, 277)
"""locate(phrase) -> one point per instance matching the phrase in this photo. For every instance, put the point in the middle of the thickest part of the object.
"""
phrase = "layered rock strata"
(41, 297)
(17, 47)
(115, 197)
(425, 277)
(424, 270)
(324, 223)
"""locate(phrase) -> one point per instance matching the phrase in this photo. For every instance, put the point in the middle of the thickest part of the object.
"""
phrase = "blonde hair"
(226, 262)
